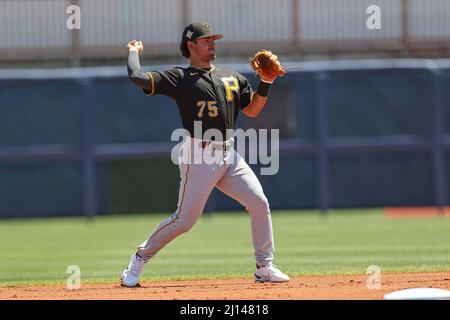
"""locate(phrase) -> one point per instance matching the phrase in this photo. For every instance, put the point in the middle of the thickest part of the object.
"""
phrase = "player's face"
(204, 49)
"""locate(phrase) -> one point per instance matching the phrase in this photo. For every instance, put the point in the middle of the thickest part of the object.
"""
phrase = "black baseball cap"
(199, 30)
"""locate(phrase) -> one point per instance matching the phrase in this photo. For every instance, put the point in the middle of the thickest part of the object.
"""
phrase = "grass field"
(219, 246)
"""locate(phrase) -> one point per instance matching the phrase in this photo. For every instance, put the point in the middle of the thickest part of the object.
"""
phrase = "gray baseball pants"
(230, 174)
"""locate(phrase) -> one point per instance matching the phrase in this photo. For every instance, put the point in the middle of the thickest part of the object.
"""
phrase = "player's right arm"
(136, 75)
(165, 82)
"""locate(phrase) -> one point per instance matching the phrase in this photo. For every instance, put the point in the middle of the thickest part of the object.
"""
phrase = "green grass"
(219, 246)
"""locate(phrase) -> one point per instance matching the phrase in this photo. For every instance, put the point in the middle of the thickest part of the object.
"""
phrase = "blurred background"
(363, 112)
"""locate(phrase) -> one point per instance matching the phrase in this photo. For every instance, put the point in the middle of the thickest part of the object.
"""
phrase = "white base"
(419, 294)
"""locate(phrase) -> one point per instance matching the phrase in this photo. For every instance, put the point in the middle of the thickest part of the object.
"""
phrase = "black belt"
(204, 144)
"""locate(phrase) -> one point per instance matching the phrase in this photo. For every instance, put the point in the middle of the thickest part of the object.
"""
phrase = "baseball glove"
(266, 65)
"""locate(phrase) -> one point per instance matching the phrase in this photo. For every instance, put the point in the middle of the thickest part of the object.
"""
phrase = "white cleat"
(270, 273)
(130, 276)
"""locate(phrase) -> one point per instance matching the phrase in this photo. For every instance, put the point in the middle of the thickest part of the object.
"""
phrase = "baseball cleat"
(130, 276)
(270, 273)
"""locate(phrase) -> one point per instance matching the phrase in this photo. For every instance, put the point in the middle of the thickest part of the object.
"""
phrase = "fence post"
(405, 26)
(321, 141)
(87, 151)
(296, 24)
(184, 12)
(438, 148)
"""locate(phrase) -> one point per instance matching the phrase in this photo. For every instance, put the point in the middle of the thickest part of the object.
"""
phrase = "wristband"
(263, 89)
(266, 81)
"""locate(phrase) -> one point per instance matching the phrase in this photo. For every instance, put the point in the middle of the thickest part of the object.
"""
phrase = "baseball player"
(214, 97)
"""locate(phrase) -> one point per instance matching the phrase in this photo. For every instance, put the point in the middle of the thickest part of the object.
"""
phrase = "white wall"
(246, 20)
(31, 23)
(346, 19)
(115, 22)
(42, 23)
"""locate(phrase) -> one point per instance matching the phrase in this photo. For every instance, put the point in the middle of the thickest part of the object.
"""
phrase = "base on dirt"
(419, 294)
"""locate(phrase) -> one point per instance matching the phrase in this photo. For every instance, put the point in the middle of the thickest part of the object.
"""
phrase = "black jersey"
(213, 96)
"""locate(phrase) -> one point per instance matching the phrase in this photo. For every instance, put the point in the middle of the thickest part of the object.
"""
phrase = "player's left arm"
(258, 99)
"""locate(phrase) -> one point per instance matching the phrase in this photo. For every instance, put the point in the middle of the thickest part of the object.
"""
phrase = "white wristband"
(265, 81)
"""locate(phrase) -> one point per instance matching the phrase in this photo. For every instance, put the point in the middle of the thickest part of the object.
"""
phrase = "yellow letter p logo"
(231, 84)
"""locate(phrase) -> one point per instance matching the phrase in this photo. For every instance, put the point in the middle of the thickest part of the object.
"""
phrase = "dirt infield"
(416, 212)
(309, 287)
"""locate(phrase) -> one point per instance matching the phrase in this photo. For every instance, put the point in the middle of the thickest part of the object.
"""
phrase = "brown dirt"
(416, 212)
(309, 287)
